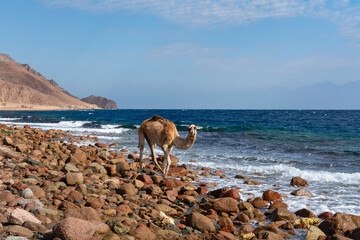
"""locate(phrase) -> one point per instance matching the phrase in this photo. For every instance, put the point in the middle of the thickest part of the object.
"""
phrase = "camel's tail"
(141, 139)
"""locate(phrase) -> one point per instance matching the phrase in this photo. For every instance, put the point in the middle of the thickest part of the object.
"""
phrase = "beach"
(57, 183)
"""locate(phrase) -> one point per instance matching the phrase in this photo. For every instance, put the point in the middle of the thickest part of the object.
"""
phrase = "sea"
(321, 146)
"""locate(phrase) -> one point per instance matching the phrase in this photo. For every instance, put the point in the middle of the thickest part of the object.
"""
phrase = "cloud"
(205, 13)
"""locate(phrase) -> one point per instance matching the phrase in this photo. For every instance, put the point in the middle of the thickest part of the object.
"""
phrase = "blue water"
(322, 146)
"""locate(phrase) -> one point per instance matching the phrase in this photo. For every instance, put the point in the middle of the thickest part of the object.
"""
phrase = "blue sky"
(187, 54)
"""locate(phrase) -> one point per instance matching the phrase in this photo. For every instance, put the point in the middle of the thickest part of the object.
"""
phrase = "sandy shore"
(33, 107)
(55, 187)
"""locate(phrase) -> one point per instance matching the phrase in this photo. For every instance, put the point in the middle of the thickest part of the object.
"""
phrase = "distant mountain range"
(22, 86)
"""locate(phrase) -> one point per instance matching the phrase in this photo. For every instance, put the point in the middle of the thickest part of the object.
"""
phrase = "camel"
(162, 132)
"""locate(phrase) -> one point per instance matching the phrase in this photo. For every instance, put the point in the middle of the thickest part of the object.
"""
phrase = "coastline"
(70, 180)
(34, 107)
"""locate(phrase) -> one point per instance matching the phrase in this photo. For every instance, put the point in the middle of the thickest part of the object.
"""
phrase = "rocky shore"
(53, 186)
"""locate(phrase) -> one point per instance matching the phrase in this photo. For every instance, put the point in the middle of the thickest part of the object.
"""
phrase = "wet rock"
(242, 217)
(73, 229)
(280, 214)
(250, 182)
(340, 223)
(326, 215)
(245, 206)
(232, 193)
(301, 192)
(241, 176)
(305, 213)
(259, 203)
(200, 222)
(272, 196)
(299, 182)
(73, 178)
(278, 205)
(226, 204)
(19, 216)
(314, 233)
(269, 235)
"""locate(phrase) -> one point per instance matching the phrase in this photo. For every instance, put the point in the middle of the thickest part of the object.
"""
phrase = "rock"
(172, 183)
(241, 176)
(74, 178)
(259, 203)
(232, 193)
(245, 206)
(269, 235)
(74, 195)
(250, 182)
(200, 222)
(38, 191)
(307, 221)
(272, 196)
(305, 213)
(314, 233)
(339, 237)
(123, 210)
(15, 238)
(8, 141)
(280, 214)
(226, 204)
(73, 229)
(127, 188)
(340, 223)
(302, 192)
(152, 189)
(145, 179)
(165, 208)
(7, 196)
(27, 193)
(97, 168)
(19, 216)
(111, 236)
(85, 213)
(278, 205)
(70, 168)
(118, 227)
(143, 232)
(326, 215)
(99, 227)
(19, 230)
(243, 218)
(221, 235)
(299, 182)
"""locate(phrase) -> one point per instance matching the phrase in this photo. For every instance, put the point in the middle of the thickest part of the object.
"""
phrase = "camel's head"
(192, 130)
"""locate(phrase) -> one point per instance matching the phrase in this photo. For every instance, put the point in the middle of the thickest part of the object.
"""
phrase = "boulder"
(73, 229)
(19, 230)
(314, 233)
(145, 179)
(259, 203)
(73, 178)
(269, 235)
(232, 193)
(299, 182)
(143, 232)
(305, 213)
(127, 188)
(85, 213)
(340, 223)
(7, 196)
(226, 204)
(200, 222)
(302, 192)
(165, 208)
(172, 183)
(272, 196)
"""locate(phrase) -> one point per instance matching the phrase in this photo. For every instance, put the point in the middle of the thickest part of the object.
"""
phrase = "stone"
(8, 141)
(85, 213)
(326, 215)
(226, 204)
(127, 188)
(111, 236)
(299, 182)
(221, 235)
(99, 227)
(340, 223)
(38, 191)
(269, 235)
(123, 210)
(238, 176)
(280, 214)
(19, 216)
(74, 195)
(152, 189)
(259, 203)
(218, 192)
(250, 182)
(118, 227)
(73, 229)
(314, 233)
(97, 168)
(165, 208)
(27, 193)
(172, 183)
(232, 193)
(272, 196)
(302, 192)
(245, 206)
(145, 179)
(242, 217)
(70, 168)
(305, 213)
(19, 230)
(200, 222)
(73, 178)
(15, 238)
(278, 205)
(143, 232)
(7, 196)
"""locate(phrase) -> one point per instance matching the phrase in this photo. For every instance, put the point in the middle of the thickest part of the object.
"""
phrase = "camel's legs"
(167, 160)
(153, 155)
(141, 148)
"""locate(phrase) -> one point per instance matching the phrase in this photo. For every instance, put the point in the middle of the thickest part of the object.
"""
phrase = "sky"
(192, 54)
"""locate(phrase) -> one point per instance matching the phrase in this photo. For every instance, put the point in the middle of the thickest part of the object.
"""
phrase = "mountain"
(24, 87)
(101, 102)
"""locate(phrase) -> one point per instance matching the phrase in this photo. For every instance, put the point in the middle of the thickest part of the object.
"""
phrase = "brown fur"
(162, 132)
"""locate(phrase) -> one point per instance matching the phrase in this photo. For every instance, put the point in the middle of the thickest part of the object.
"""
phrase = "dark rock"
(305, 213)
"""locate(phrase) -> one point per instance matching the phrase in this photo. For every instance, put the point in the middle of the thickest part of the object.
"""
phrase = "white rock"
(27, 193)
(19, 216)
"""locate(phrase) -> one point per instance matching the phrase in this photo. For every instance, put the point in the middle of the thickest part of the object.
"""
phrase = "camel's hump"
(156, 118)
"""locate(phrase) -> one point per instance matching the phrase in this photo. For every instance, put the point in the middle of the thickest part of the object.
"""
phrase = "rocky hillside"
(23, 85)
(101, 102)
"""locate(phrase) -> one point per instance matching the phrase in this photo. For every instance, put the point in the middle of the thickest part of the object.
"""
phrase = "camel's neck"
(183, 144)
